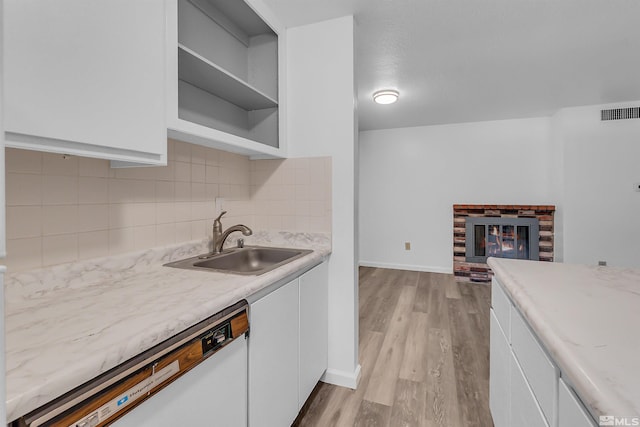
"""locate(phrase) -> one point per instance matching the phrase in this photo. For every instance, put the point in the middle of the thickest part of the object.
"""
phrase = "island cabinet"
(287, 347)
(222, 76)
(526, 387)
(86, 78)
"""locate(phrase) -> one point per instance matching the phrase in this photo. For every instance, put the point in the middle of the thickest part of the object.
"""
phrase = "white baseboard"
(430, 269)
(342, 378)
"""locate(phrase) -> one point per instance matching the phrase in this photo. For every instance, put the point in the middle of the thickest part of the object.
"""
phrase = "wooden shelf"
(206, 75)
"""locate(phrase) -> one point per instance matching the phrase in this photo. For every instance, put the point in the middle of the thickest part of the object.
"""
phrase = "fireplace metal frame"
(471, 222)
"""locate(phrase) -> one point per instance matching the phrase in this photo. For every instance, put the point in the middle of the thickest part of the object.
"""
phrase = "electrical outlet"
(407, 246)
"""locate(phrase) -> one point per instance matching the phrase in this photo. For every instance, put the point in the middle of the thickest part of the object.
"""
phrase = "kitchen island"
(70, 323)
(584, 322)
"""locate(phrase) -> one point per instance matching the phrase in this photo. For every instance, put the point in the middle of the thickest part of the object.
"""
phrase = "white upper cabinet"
(87, 78)
(222, 80)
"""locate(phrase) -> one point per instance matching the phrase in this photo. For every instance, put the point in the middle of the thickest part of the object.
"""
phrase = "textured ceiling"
(471, 60)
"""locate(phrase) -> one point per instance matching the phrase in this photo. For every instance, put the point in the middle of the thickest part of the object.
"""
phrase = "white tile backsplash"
(59, 219)
(65, 208)
(88, 166)
(121, 240)
(144, 237)
(165, 234)
(198, 155)
(182, 171)
(92, 190)
(24, 222)
(165, 212)
(23, 189)
(59, 249)
(60, 190)
(59, 164)
(91, 244)
(93, 217)
(23, 161)
(182, 151)
(198, 173)
(24, 254)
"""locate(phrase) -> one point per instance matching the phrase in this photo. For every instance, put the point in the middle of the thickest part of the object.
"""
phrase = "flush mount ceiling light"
(386, 96)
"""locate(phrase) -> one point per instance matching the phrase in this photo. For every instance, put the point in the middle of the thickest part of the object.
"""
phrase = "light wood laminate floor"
(424, 352)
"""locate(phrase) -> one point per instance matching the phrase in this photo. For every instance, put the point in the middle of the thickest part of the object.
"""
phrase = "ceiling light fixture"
(386, 96)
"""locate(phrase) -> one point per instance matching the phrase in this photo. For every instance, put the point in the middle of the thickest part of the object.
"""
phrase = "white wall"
(321, 122)
(557, 185)
(601, 165)
(410, 178)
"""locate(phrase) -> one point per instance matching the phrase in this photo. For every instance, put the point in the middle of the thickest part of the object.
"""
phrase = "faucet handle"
(220, 216)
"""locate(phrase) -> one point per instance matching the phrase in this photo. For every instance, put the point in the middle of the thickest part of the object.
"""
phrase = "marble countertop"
(69, 323)
(587, 317)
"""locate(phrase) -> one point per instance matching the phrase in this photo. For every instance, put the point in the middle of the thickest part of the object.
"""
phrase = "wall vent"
(620, 113)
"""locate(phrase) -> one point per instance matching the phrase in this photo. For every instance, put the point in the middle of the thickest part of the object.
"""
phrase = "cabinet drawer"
(540, 372)
(501, 305)
(499, 388)
(525, 411)
(571, 413)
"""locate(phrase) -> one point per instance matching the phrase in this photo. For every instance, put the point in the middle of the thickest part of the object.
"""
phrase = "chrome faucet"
(219, 236)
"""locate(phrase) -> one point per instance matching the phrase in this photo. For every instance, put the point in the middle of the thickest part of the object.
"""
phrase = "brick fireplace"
(514, 223)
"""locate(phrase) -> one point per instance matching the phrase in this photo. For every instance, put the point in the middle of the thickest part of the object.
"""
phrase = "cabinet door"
(313, 328)
(499, 381)
(273, 358)
(525, 411)
(540, 371)
(86, 77)
(571, 413)
(212, 393)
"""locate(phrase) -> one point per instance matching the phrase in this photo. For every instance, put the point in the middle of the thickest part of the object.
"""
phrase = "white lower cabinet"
(273, 358)
(314, 334)
(287, 348)
(571, 413)
(525, 388)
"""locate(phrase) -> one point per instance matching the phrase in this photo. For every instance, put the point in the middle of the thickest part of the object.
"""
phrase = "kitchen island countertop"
(587, 317)
(69, 323)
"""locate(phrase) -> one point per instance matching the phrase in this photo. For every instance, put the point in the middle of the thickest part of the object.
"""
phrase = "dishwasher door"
(214, 393)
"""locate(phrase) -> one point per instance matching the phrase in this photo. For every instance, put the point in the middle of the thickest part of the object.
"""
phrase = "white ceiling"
(470, 60)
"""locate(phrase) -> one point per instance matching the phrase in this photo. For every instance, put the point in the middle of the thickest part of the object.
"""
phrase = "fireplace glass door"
(515, 238)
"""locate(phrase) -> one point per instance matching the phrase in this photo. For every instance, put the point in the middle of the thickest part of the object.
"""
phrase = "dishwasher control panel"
(216, 338)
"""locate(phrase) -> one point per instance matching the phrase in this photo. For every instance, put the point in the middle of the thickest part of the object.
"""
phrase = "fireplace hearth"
(504, 231)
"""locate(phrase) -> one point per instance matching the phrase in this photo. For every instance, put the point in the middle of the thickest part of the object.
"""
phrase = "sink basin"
(251, 260)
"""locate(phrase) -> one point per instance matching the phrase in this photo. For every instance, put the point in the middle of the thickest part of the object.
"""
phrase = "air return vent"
(620, 113)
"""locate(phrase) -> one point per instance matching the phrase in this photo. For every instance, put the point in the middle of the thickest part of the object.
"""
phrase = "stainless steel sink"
(250, 260)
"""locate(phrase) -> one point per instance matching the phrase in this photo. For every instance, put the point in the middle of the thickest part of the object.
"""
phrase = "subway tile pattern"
(64, 208)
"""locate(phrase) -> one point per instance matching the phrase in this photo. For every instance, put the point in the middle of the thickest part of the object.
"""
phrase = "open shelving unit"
(205, 75)
(227, 78)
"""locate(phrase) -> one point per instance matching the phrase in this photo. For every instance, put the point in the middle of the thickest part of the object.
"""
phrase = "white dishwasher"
(196, 378)
(214, 393)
